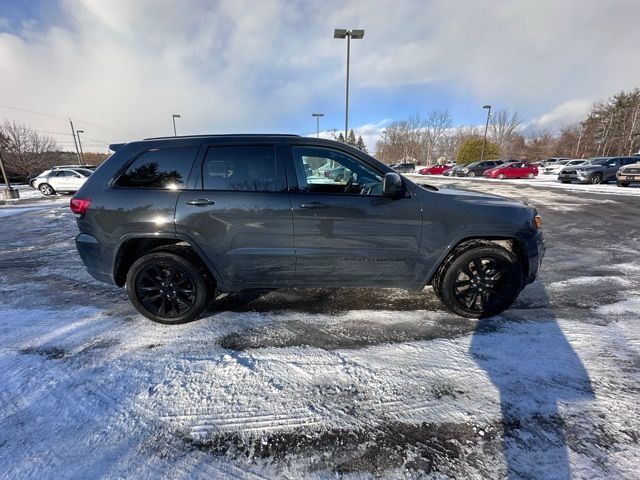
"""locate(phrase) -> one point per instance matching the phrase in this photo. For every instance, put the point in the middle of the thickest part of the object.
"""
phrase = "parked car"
(177, 226)
(596, 170)
(512, 170)
(405, 167)
(59, 179)
(628, 174)
(338, 174)
(434, 170)
(554, 168)
(453, 171)
(477, 169)
(550, 161)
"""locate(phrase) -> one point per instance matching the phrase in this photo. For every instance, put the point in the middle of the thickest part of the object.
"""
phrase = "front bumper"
(580, 177)
(536, 249)
(628, 177)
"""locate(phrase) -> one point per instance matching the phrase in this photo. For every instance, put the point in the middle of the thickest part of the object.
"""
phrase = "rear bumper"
(93, 256)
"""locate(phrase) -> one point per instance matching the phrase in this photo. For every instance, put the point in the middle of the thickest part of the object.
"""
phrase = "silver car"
(60, 180)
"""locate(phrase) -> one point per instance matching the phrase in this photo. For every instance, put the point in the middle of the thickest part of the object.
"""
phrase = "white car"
(60, 180)
(554, 168)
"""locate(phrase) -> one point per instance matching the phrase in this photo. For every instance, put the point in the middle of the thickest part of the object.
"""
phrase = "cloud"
(567, 113)
(246, 66)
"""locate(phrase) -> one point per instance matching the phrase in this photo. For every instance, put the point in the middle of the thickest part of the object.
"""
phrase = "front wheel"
(623, 184)
(471, 174)
(167, 287)
(481, 282)
(501, 176)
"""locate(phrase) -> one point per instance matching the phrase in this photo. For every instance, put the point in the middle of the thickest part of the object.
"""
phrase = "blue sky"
(240, 65)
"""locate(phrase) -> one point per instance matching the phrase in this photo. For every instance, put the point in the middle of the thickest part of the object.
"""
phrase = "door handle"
(201, 202)
(314, 205)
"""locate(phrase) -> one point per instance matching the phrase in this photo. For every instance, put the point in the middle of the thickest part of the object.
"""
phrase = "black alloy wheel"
(167, 287)
(480, 281)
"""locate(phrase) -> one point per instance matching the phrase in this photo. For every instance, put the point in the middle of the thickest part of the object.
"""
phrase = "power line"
(65, 118)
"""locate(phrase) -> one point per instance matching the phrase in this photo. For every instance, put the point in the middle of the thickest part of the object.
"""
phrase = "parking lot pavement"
(319, 383)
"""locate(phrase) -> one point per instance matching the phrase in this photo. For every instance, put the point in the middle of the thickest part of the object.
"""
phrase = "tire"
(530, 176)
(168, 286)
(501, 176)
(471, 174)
(470, 295)
(595, 179)
(623, 184)
(339, 178)
(46, 189)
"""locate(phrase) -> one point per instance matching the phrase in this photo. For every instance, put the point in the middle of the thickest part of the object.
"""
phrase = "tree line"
(27, 152)
(612, 127)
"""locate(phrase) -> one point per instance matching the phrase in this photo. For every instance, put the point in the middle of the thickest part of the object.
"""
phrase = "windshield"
(473, 164)
(562, 162)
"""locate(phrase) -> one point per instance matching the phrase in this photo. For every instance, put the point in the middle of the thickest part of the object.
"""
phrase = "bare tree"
(434, 127)
(503, 126)
(24, 150)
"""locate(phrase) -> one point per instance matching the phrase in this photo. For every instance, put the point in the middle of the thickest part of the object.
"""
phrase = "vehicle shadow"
(536, 371)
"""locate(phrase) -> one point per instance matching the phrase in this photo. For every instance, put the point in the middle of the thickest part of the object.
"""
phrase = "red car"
(434, 170)
(513, 170)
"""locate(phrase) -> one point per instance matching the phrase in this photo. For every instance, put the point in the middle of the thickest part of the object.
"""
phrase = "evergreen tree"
(351, 139)
(340, 138)
(360, 144)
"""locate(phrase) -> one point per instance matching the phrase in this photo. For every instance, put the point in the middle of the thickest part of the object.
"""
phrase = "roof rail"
(216, 135)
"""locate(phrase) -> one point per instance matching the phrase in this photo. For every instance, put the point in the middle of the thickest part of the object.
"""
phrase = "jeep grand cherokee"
(176, 220)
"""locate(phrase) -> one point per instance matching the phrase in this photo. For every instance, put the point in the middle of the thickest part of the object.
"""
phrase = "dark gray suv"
(178, 219)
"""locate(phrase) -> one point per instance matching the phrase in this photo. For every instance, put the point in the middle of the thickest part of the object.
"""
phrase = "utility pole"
(173, 117)
(486, 127)
(317, 115)
(80, 143)
(8, 193)
(73, 132)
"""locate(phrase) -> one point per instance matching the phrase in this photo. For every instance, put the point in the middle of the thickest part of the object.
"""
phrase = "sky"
(121, 68)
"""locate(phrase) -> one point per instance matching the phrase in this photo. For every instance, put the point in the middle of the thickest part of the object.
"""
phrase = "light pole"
(348, 34)
(317, 115)
(384, 145)
(486, 127)
(173, 117)
(78, 132)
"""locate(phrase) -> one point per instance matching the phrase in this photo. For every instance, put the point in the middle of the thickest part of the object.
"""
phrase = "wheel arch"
(130, 248)
(512, 243)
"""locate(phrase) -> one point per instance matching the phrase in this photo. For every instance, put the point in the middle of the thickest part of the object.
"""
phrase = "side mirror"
(392, 186)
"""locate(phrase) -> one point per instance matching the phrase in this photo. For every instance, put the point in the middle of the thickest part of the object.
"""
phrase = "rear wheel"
(481, 282)
(530, 175)
(595, 179)
(167, 287)
(46, 189)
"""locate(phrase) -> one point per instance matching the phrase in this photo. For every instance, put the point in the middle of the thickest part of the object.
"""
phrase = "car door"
(516, 170)
(611, 167)
(347, 233)
(61, 180)
(238, 213)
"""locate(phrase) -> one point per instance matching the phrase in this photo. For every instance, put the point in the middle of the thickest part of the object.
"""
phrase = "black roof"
(218, 135)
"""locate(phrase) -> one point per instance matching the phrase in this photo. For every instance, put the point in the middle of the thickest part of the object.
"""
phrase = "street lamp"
(78, 132)
(317, 115)
(355, 35)
(484, 142)
(173, 117)
(384, 144)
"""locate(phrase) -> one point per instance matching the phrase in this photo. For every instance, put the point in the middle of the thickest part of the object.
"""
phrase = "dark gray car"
(179, 219)
(477, 169)
(596, 170)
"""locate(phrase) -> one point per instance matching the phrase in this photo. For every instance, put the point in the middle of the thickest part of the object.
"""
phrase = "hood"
(467, 196)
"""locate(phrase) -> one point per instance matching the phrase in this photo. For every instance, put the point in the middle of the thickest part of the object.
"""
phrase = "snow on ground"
(325, 383)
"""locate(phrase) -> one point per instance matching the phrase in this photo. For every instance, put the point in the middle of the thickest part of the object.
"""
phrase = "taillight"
(79, 206)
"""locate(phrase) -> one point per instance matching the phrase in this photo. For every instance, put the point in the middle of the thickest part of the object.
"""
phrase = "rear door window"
(248, 168)
(162, 169)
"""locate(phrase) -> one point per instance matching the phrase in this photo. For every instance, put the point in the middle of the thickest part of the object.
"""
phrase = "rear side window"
(165, 169)
(251, 168)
